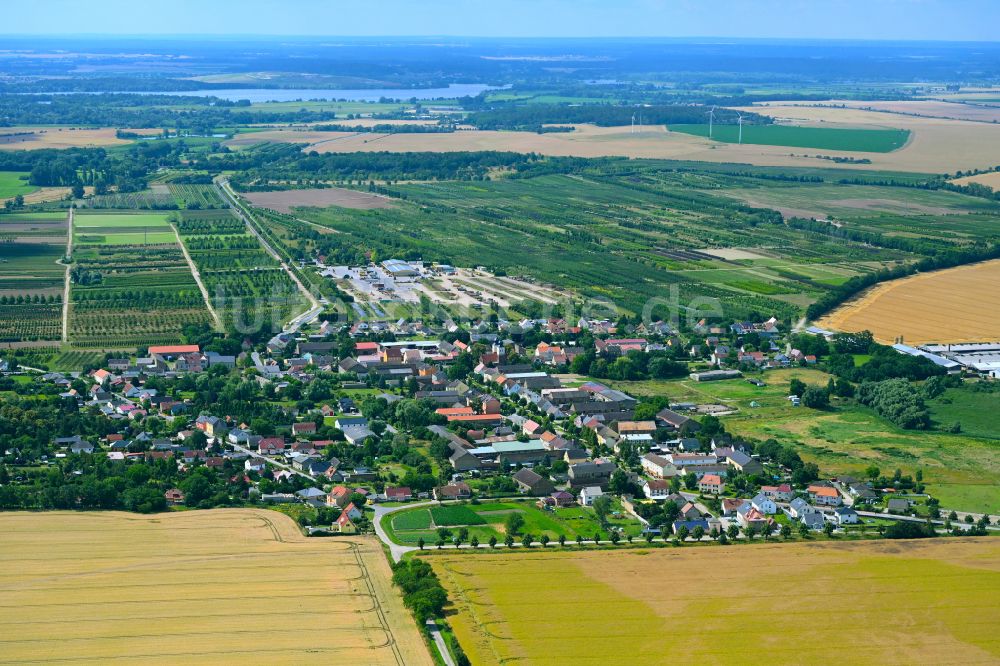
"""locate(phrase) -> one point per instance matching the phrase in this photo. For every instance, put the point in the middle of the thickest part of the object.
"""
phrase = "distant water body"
(260, 95)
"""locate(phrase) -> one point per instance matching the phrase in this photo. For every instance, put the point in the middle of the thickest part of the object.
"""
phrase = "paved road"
(442, 647)
(395, 549)
(197, 279)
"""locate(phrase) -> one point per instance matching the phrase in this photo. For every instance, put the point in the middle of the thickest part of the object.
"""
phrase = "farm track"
(247, 218)
(197, 278)
(66, 280)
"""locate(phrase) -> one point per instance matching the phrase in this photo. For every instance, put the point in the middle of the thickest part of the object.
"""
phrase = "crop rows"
(129, 296)
(195, 197)
(30, 321)
(132, 201)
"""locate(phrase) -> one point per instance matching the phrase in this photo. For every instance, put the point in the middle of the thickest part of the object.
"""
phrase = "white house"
(764, 504)
(656, 489)
(589, 494)
(657, 466)
(845, 516)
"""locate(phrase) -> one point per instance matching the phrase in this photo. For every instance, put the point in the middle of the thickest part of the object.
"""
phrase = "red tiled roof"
(174, 349)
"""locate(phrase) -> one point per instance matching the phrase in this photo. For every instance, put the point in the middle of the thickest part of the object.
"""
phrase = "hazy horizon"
(865, 20)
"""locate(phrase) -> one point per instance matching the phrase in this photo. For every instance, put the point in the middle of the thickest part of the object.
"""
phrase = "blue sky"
(844, 19)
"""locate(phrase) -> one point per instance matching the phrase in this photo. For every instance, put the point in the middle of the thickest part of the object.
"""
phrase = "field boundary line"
(197, 278)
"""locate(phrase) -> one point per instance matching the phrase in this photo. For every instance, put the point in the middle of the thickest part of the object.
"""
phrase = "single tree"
(527, 539)
(509, 540)
(420, 543)
(828, 529)
(562, 540)
(698, 532)
(493, 541)
(786, 531)
(544, 540)
(474, 541)
(615, 538)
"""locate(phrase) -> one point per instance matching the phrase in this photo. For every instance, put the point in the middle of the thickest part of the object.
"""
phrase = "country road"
(237, 207)
(66, 280)
(197, 279)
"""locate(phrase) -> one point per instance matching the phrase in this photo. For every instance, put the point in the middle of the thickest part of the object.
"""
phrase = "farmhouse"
(532, 483)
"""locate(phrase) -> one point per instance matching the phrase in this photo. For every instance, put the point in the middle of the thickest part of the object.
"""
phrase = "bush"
(909, 530)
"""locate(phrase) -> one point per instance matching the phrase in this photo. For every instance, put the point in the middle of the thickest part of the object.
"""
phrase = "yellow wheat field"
(214, 587)
(953, 305)
(868, 602)
(991, 180)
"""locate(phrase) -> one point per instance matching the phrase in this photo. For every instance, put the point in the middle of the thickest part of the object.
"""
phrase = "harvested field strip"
(171, 588)
(954, 305)
(934, 602)
(285, 200)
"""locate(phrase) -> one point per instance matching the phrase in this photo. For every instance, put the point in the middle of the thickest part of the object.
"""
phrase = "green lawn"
(825, 138)
(13, 183)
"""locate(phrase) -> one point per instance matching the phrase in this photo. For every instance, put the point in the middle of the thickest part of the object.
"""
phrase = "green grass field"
(13, 183)
(976, 411)
(121, 220)
(824, 138)
(487, 520)
(128, 238)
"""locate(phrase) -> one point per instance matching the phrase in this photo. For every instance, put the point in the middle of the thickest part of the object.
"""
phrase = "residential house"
(898, 505)
(174, 496)
(824, 495)
(711, 483)
(304, 428)
(257, 465)
(591, 473)
(453, 491)
(530, 482)
(657, 466)
(782, 493)
(764, 504)
(655, 489)
(398, 494)
(339, 496)
(589, 494)
(731, 506)
(843, 515)
(691, 511)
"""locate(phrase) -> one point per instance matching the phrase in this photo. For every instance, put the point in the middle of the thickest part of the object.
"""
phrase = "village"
(493, 414)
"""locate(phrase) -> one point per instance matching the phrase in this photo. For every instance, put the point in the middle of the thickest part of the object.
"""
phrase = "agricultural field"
(246, 285)
(196, 197)
(576, 232)
(31, 277)
(962, 470)
(131, 284)
(990, 180)
(284, 201)
(548, 607)
(824, 138)
(155, 198)
(13, 183)
(936, 145)
(953, 305)
(174, 588)
(488, 520)
(35, 138)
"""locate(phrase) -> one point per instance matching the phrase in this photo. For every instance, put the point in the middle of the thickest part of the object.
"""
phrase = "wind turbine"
(711, 118)
(740, 120)
(633, 124)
